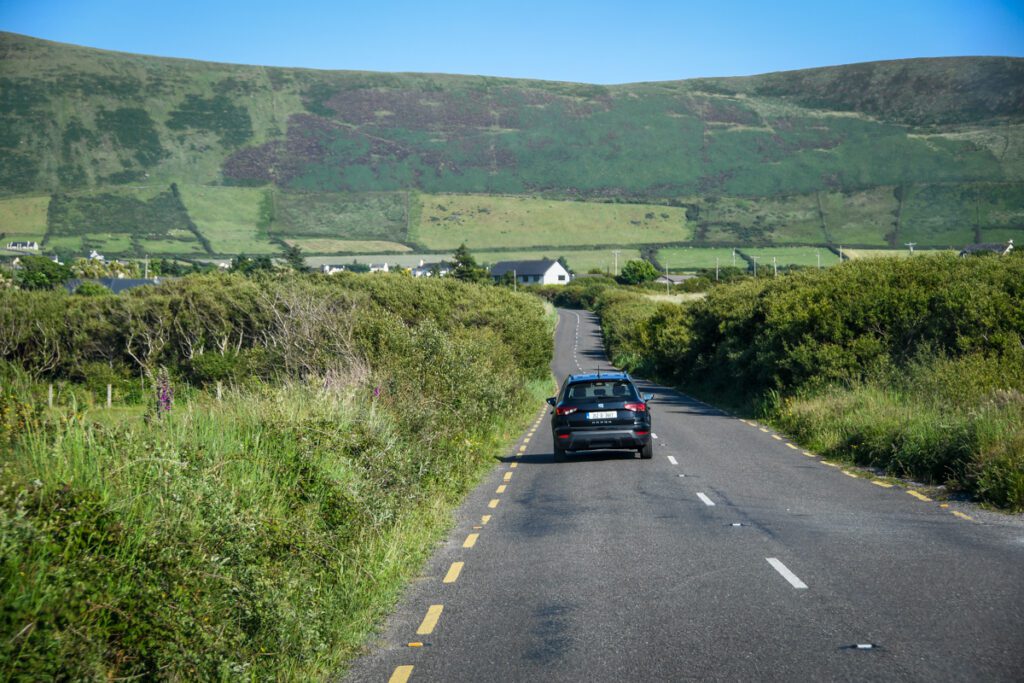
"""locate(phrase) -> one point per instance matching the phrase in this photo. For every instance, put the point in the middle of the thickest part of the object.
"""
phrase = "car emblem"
(600, 405)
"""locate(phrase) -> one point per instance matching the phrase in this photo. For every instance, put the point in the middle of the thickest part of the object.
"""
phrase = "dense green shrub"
(262, 536)
(915, 366)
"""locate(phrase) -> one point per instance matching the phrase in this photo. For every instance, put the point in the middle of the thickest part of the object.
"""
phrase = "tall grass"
(261, 537)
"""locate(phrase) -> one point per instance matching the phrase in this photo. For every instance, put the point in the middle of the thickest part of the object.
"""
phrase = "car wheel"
(647, 452)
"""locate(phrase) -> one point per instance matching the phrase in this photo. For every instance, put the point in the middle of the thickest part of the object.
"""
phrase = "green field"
(580, 260)
(229, 218)
(328, 246)
(695, 258)
(369, 216)
(445, 221)
(791, 256)
(23, 219)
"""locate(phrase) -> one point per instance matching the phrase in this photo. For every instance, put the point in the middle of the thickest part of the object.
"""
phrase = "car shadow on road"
(576, 457)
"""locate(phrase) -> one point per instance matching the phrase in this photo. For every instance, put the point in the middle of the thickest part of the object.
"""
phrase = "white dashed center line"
(786, 574)
(707, 501)
(672, 460)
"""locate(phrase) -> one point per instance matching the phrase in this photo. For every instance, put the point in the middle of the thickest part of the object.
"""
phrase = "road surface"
(733, 555)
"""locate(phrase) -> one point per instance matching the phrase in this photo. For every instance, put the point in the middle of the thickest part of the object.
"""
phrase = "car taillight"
(565, 410)
(636, 407)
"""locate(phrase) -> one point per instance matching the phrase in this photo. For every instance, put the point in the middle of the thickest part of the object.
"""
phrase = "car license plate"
(603, 415)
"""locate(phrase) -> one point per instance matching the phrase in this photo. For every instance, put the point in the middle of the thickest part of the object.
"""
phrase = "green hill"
(928, 150)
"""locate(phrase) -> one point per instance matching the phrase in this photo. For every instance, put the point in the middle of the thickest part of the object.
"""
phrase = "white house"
(379, 267)
(331, 268)
(96, 256)
(543, 272)
(442, 268)
(23, 246)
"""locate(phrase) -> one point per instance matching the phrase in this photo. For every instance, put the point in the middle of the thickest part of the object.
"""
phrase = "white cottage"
(543, 272)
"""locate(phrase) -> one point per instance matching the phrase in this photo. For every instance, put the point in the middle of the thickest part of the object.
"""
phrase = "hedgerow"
(263, 535)
(915, 366)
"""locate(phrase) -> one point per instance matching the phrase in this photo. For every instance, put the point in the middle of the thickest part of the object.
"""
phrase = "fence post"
(49, 400)
(109, 396)
(219, 391)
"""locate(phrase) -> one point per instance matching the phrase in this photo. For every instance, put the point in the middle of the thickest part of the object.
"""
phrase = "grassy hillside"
(872, 154)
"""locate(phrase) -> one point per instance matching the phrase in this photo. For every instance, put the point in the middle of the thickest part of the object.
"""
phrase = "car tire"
(647, 452)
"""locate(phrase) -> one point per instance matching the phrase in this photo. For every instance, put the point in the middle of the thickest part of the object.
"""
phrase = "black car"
(601, 410)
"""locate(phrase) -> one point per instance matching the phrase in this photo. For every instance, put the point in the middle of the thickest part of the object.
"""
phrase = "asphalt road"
(732, 555)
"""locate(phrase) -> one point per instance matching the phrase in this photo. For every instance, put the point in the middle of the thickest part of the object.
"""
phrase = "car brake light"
(565, 410)
(636, 407)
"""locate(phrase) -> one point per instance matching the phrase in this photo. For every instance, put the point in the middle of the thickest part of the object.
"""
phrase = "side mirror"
(648, 397)
(551, 401)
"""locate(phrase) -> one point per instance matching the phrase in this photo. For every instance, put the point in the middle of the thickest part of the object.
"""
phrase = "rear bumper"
(595, 439)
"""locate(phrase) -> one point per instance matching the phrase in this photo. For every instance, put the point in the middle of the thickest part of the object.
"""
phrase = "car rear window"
(600, 390)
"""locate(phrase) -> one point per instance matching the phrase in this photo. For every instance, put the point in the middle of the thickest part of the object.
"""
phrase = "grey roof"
(675, 279)
(971, 248)
(522, 267)
(115, 285)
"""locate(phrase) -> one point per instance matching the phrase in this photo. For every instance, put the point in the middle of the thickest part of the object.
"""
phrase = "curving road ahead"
(732, 555)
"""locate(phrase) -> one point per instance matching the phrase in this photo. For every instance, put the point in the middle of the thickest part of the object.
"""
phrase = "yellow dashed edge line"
(763, 430)
(883, 484)
(494, 503)
(514, 465)
(776, 437)
(809, 454)
(470, 540)
(500, 489)
(522, 449)
(453, 572)
(401, 674)
(485, 519)
(919, 496)
(430, 621)
(830, 464)
(508, 476)
(961, 515)
(792, 446)
(850, 474)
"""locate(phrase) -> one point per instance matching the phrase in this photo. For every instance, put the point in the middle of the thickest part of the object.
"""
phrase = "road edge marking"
(784, 571)
(429, 622)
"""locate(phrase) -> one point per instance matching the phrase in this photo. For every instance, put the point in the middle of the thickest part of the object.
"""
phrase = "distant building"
(332, 268)
(114, 284)
(543, 272)
(991, 248)
(441, 269)
(23, 246)
(673, 279)
(379, 267)
(96, 256)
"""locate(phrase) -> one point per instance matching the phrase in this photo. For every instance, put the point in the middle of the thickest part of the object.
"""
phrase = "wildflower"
(376, 392)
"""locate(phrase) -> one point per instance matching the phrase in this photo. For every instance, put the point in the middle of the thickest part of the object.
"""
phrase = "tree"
(39, 272)
(466, 267)
(293, 255)
(637, 272)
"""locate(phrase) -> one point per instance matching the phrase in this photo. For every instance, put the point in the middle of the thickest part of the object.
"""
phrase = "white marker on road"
(654, 436)
(707, 501)
(786, 574)
(672, 460)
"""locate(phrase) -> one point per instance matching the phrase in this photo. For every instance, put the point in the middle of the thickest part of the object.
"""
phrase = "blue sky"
(595, 42)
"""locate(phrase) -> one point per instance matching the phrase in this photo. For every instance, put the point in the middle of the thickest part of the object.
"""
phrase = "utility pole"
(775, 267)
(911, 245)
(667, 281)
(616, 252)
(817, 253)
(146, 261)
(754, 259)
(716, 269)
(734, 257)
(840, 253)
(515, 281)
